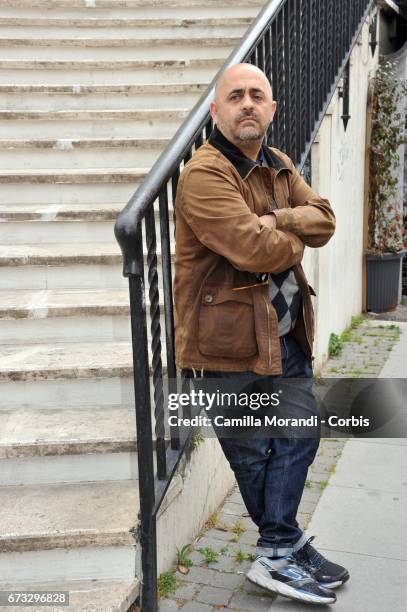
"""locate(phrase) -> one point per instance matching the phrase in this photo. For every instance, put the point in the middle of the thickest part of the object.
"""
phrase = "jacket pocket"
(226, 322)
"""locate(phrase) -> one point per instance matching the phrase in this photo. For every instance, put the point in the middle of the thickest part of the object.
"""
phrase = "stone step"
(39, 213)
(91, 25)
(94, 115)
(139, 38)
(87, 72)
(83, 444)
(66, 532)
(28, 317)
(80, 153)
(32, 225)
(74, 124)
(75, 176)
(63, 254)
(109, 49)
(136, 97)
(136, 9)
(68, 266)
(64, 361)
(51, 231)
(68, 375)
(45, 304)
(41, 191)
(84, 595)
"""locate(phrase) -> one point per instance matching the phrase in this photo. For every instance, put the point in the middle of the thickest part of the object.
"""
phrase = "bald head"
(243, 107)
(240, 70)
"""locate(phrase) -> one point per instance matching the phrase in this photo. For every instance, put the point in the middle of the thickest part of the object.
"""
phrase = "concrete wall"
(338, 173)
(202, 482)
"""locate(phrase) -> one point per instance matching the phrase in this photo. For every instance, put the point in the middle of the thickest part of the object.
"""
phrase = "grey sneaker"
(285, 577)
(328, 574)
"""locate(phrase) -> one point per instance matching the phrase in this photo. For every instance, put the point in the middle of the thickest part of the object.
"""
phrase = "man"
(243, 309)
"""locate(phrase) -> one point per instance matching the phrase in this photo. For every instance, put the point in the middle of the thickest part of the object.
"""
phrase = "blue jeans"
(271, 472)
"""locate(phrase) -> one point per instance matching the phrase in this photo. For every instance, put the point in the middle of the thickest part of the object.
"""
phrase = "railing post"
(144, 431)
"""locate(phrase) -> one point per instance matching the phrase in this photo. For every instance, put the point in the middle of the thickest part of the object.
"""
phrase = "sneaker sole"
(285, 590)
(334, 585)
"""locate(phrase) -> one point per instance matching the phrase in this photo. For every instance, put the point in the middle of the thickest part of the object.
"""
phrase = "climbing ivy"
(386, 231)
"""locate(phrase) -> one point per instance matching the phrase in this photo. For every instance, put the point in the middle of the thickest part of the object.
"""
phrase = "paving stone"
(303, 516)
(249, 537)
(230, 520)
(195, 606)
(248, 524)
(254, 589)
(235, 497)
(234, 547)
(226, 564)
(234, 509)
(307, 507)
(218, 534)
(311, 494)
(202, 575)
(251, 603)
(196, 557)
(243, 566)
(206, 542)
(228, 581)
(214, 595)
(167, 605)
(187, 591)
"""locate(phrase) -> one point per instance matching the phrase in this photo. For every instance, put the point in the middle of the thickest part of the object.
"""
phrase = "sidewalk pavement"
(357, 495)
(360, 520)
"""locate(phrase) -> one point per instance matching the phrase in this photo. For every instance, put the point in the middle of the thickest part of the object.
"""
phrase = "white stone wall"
(338, 169)
(200, 486)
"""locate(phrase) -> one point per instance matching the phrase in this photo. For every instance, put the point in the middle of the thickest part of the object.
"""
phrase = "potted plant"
(386, 232)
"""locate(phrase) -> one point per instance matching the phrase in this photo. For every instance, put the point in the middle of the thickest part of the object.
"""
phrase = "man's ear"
(273, 109)
(213, 111)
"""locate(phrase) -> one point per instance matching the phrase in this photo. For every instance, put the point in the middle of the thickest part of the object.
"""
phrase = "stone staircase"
(90, 93)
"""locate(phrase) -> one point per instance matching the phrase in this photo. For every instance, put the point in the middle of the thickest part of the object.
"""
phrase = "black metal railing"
(303, 46)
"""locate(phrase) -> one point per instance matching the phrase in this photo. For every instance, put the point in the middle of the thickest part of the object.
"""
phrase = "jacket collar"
(244, 165)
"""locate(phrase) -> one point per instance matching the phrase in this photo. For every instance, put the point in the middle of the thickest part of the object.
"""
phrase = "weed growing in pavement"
(238, 528)
(210, 555)
(336, 342)
(182, 556)
(241, 556)
(166, 584)
(356, 321)
(322, 484)
(308, 484)
(335, 345)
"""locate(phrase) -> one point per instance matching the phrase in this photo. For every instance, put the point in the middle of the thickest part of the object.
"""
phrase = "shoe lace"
(310, 558)
(307, 578)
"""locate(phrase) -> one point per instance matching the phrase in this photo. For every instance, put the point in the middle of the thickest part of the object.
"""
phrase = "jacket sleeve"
(310, 216)
(218, 215)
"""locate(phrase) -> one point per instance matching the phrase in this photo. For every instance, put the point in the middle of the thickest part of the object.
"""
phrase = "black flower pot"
(383, 281)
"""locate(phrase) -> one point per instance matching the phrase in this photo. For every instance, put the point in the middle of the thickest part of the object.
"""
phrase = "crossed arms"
(214, 208)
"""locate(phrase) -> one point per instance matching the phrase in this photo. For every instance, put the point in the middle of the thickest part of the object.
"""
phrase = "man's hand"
(269, 220)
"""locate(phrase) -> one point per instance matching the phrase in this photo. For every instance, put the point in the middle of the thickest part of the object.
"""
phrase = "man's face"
(243, 108)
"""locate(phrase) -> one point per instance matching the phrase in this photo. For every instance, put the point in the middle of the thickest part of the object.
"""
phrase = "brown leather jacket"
(221, 245)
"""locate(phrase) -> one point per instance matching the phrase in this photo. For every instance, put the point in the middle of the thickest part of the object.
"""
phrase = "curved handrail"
(127, 222)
